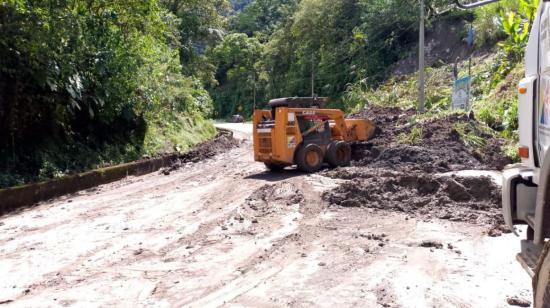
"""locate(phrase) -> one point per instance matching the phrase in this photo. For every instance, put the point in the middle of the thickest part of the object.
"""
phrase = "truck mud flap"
(510, 178)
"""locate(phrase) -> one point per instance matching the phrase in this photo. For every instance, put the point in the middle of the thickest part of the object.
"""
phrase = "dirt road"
(223, 232)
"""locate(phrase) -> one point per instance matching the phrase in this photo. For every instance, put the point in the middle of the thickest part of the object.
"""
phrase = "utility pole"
(421, 63)
(470, 45)
(254, 108)
(312, 76)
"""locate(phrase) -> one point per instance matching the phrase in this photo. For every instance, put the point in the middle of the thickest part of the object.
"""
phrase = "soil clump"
(423, 195)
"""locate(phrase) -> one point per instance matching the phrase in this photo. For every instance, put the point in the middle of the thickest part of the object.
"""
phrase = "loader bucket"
(362, 128)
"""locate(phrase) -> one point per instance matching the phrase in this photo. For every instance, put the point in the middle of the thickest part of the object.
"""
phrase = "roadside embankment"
(27, 195)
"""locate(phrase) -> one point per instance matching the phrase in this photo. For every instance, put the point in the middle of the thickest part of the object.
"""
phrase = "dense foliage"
(83, 83)
(333, 43)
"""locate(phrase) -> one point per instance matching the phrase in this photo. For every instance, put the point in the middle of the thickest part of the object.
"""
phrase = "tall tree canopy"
(336, 42)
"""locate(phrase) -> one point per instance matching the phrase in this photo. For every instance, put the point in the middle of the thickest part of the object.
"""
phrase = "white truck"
(526, 186)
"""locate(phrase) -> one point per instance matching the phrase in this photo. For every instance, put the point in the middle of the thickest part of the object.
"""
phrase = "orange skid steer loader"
(298, 131)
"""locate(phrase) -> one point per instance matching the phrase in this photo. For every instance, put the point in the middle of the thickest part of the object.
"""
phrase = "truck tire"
(541, 280)
(338, 154)
(309, 158)
(274, 166)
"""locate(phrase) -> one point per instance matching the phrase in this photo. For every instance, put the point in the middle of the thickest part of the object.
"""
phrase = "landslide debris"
(223, 142)
(431, 244)
(419, 194)
(402, 169)
(440, 144)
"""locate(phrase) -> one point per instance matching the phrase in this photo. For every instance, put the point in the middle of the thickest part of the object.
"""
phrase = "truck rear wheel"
(541, 280)
(309, 158)
(338, 154)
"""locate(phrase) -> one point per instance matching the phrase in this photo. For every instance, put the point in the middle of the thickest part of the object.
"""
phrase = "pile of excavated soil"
(440, 148)
(419, 194)
(389, 175)
(223, 142)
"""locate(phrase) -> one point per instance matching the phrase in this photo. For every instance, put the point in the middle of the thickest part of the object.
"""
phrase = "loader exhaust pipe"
(474, 4)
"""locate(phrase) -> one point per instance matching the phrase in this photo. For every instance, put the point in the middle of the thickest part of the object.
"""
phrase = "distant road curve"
(240, 130)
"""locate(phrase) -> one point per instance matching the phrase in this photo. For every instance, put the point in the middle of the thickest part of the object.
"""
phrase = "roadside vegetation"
(92, 83)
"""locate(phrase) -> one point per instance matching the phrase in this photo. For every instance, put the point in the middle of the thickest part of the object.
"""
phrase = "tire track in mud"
(274, 240)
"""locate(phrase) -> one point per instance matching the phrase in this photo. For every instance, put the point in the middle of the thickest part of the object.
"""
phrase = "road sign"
(461, 93)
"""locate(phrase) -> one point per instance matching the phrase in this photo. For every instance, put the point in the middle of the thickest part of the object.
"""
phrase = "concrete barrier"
(27, 195)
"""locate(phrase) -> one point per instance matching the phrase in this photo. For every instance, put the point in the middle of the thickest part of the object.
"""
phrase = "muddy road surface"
(224, 232)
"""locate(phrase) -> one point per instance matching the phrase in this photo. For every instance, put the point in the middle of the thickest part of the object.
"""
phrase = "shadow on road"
(276, 176)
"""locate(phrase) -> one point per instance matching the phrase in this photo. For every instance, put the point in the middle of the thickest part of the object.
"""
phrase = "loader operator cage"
(297, 102)
(314, 128)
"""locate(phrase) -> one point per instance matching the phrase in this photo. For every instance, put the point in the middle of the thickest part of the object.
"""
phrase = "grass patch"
(176, 134)
(414, 137)
(467, 134)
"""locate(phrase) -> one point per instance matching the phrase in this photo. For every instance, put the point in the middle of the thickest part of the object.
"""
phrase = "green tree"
(201, 23)
(517, 25)
(82, 82)
(262, 17)
(238, 74)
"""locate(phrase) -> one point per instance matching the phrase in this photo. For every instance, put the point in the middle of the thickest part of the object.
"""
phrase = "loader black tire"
(309, 158)
(338, 154)
(541, 280)
(274, 166)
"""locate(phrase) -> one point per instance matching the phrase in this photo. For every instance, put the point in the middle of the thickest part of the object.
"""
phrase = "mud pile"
(439, 148)
(419, 194)
(388, 174)
(223, 142)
